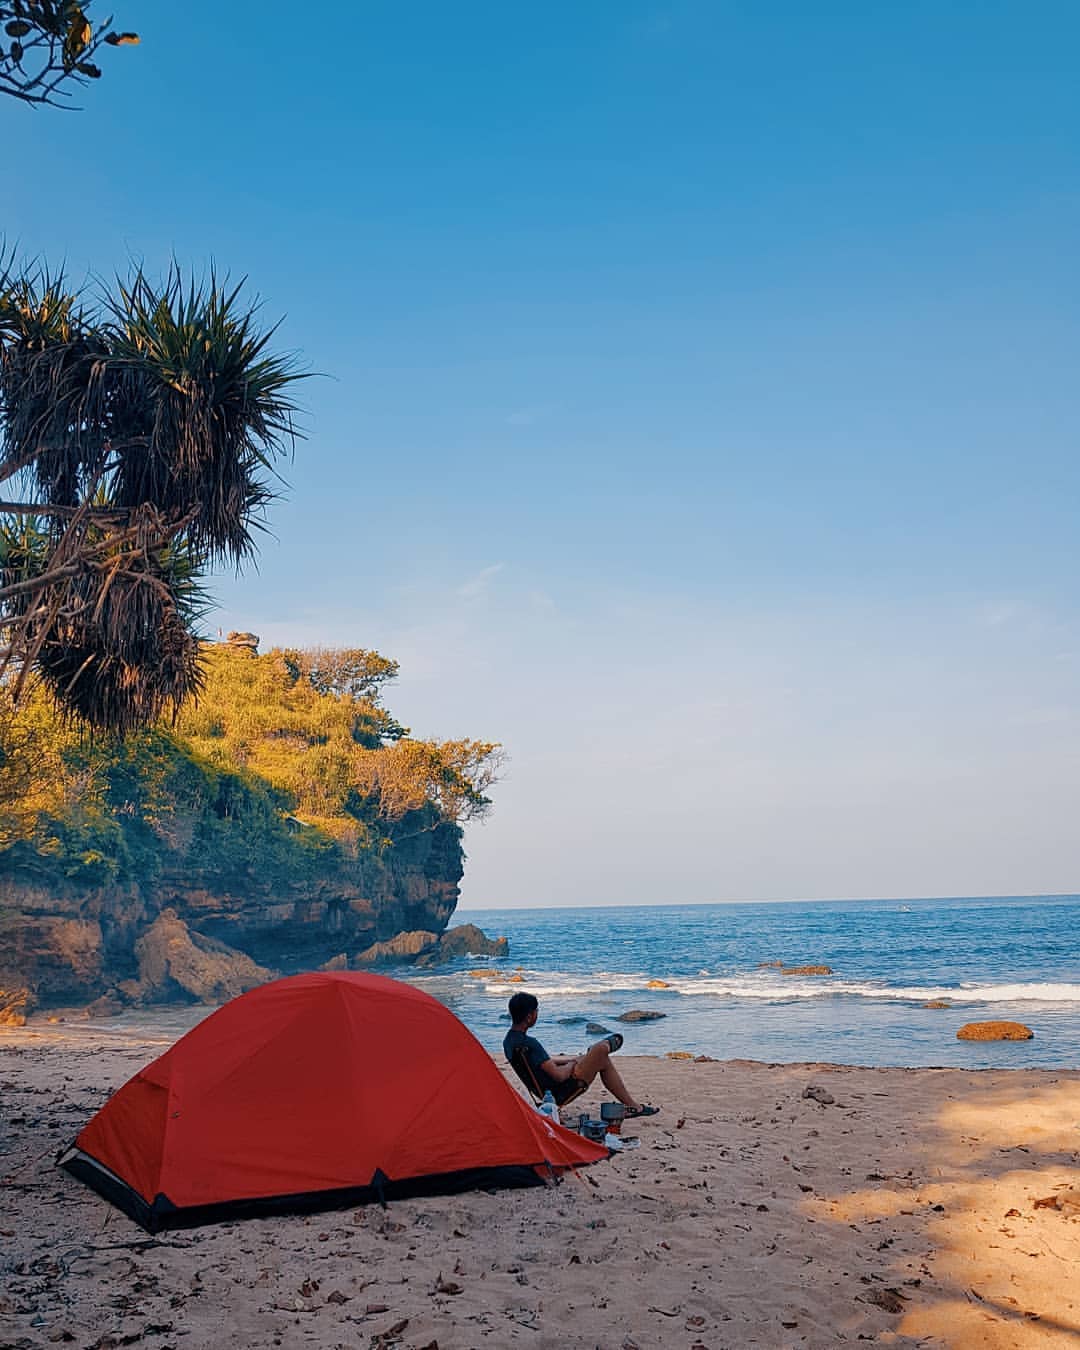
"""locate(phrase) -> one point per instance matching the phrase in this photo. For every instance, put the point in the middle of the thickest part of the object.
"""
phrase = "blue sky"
(699, 414)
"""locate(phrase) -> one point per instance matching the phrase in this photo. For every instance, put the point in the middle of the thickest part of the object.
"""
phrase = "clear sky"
(701, 406)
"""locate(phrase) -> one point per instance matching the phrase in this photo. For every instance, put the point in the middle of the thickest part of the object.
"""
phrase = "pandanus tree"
(138, 437)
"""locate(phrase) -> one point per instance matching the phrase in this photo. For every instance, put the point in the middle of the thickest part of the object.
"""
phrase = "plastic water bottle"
(549, 1108)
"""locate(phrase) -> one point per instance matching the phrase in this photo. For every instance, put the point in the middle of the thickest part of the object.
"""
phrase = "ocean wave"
(547, 984)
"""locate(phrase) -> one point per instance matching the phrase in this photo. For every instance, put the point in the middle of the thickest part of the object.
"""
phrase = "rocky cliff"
(196, 861)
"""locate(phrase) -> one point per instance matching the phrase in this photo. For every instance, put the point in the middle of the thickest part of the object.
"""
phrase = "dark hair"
(521, 1005)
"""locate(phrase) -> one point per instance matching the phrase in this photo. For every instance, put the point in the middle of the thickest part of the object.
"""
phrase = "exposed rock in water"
(657, 984)
(806, 970)
(596, 1029)
(13, 1004)
(174, 961)
(464, 940)
(994, 1031)
(403, 947)
(770, 965)
(640, 1015)
(937, 1003)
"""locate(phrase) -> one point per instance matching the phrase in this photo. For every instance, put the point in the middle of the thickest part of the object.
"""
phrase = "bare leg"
(597, 1060)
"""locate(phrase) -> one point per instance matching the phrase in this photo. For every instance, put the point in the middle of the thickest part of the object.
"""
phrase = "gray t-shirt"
(535, 1055)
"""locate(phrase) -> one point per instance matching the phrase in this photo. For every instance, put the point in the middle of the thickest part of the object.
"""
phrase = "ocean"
(1003, 958)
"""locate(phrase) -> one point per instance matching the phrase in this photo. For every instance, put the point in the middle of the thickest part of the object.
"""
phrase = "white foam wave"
(774, 988)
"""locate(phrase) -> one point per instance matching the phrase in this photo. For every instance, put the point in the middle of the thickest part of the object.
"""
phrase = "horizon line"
(808, 900)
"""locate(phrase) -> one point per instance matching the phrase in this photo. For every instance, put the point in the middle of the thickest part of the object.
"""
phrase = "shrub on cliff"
(272, 771)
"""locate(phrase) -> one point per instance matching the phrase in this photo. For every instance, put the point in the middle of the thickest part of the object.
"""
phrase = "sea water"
(1003, 958)
(1012, 958)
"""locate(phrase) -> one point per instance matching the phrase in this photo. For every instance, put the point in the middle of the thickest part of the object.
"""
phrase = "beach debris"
(1066, 1200)
(806, 970)
(640, 1015)
(337, 1297)
(994, 1031)
(679, 1054)
(391, 1334)
(889, 1300)
(446, 1286)
(818, 1094)
(1012, 1214)
(13, 1007)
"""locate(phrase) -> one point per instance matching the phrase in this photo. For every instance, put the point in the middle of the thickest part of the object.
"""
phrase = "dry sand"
(903, 1213)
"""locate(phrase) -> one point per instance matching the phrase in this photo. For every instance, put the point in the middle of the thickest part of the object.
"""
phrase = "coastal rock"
(994, 1031)
(679, 1054)
(244, 642)
(339, 962)
(108, 1005)
(464, 940)
(938, 1003)
(576, 1022)
(214, 845)
(770, 965)
(806, 970)
(657, 984)
(596, 1029)
(13, 1007)
(640, 1015)
(175, 963)
(403, 947)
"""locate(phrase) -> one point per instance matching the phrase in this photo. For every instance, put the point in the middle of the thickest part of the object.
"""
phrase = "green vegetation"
(288, 765)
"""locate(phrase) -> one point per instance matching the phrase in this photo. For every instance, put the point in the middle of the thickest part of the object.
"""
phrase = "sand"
(902, 1213)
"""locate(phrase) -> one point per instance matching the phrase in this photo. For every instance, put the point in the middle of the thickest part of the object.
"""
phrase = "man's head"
(523, 1009)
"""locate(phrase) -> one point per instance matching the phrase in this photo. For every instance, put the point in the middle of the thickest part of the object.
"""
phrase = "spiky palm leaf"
(145, 433)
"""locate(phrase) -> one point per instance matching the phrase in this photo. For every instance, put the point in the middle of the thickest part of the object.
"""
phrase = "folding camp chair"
(564, 1093)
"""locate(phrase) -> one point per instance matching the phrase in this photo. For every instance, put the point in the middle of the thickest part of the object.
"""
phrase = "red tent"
(312, 1092)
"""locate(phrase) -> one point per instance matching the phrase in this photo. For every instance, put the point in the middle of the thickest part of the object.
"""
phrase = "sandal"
(632, 1112)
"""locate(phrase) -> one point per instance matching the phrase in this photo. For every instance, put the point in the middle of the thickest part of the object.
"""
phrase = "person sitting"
(565, 1076)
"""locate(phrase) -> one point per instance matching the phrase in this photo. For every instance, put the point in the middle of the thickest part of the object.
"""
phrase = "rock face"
(994, 1031)
(174, 963)
(293, 908)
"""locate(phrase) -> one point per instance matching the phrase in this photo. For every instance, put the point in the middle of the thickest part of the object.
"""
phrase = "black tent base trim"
(163, 1215)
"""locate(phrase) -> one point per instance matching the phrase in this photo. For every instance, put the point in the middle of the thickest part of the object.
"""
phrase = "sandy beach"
(904, 1212)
